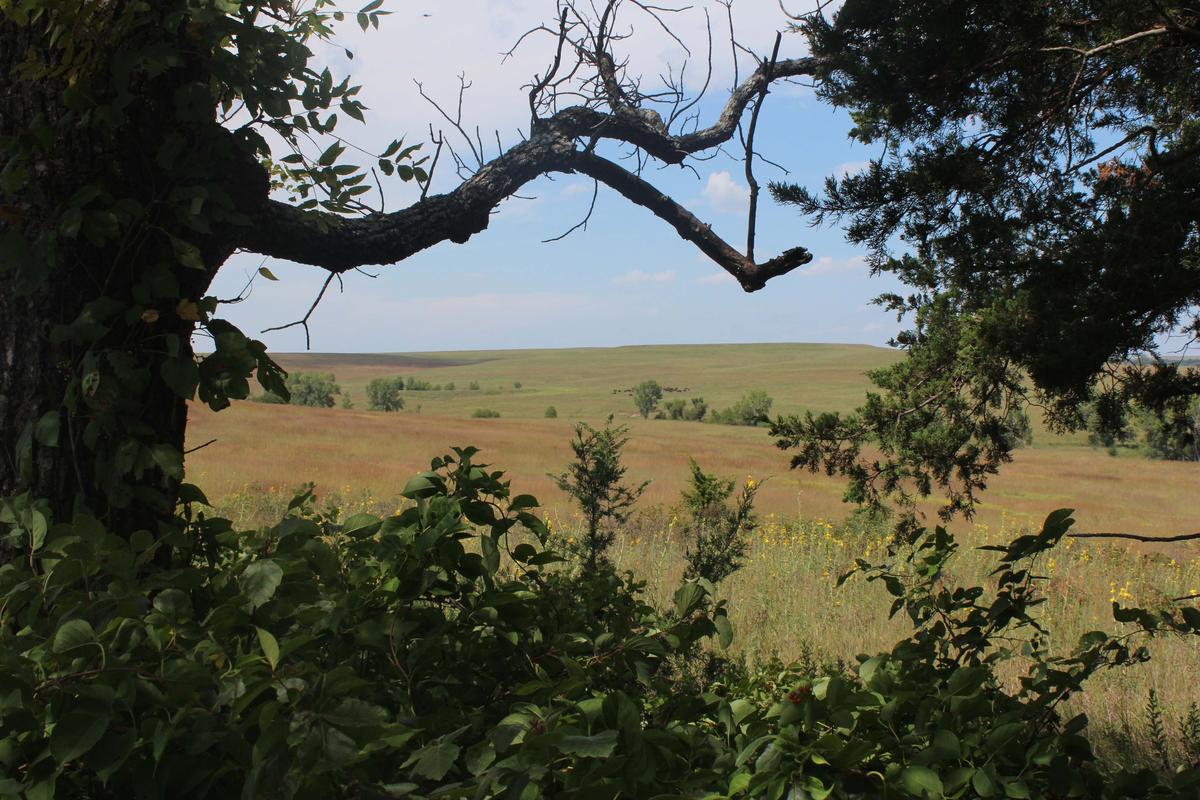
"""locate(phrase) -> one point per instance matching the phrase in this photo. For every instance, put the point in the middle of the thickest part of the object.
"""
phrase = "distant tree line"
(751, 409)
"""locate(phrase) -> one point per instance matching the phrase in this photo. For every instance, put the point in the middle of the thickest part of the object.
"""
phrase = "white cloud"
(825, 265)
(578, 187)
(637, 277)
(726, 195)
(850, 168)
(717, 279)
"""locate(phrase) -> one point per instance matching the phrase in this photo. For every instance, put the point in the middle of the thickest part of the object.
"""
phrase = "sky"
(628, 278)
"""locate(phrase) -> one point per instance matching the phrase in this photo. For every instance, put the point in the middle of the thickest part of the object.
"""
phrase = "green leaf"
(266, 273)
(168, 459)
(181, 374)
(270, 646)
(260, 580)
(921, 781)
(72, 635)
(76, 733)
(600, 745)
(983, 784)
(46, 429)
(434, 761)
(724, 630)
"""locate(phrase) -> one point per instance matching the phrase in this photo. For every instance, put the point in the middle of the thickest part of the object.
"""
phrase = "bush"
(444, 651)
(517, 385)
(679, 408)
(450, 386)
(347, 403)
(593, 479)
(715, 532)
(362, 657)
(473, 386)
(383, 394)
(551, 412)
(752, 409)
(314, 389)
(646, 396)
(414, 385)
(485, 413)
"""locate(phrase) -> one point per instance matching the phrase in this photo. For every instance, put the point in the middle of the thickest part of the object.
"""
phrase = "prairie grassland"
(784, 600)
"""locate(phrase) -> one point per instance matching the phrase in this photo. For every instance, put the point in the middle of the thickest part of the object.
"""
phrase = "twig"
(304, 322)
(199, 447)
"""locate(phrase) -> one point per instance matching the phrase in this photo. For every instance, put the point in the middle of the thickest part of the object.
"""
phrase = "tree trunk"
(122, 408)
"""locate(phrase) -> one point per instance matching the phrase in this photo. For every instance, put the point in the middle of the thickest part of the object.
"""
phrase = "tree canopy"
(1036, 188)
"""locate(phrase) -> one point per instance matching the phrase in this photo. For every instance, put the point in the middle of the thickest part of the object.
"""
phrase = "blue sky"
(628, 278)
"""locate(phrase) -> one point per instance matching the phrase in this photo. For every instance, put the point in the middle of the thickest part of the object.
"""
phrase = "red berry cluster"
(799, 695)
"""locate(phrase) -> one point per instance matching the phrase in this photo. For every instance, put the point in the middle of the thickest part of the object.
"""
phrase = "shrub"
(473, 386)
(551, 412)
(450, 386)
(516, 384)
(715, 532)
(593, 479)
(444, 651)
(414, 385)
(360, 657)
(752, 409)
(693, 410)
(347, 403)
(485, 413)
(646, 396)
(312, 389)
(383, 394)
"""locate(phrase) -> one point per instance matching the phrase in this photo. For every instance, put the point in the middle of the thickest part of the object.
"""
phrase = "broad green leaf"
(266, 273)
(76, 733)
(724, 630)
(434, 761)
(600, 745)
(46, 430)
(270, 646)
(73, 634)
(921, 781)
(260, 580)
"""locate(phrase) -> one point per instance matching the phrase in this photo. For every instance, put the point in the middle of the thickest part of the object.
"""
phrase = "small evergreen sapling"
(593, 479)
(717, 532)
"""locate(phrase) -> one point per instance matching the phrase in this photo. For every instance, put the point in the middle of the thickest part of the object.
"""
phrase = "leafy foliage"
(751, 410)
(551, 413)
(312, 389)
(444, 652)
(646, 396)
(485, 413)
(383, 394)
(692, 410)
(593, 479)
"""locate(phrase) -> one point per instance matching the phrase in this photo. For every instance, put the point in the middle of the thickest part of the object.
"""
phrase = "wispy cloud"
(825, 265)
(717, 279)
(638, 277)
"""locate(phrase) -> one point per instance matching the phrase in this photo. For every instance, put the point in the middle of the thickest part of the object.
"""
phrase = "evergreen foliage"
(593, 480)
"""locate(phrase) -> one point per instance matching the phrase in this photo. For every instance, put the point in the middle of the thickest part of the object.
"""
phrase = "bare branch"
(565, 142)
(583, 223)
(1137, 537)
(304, 322)
(752, 219)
